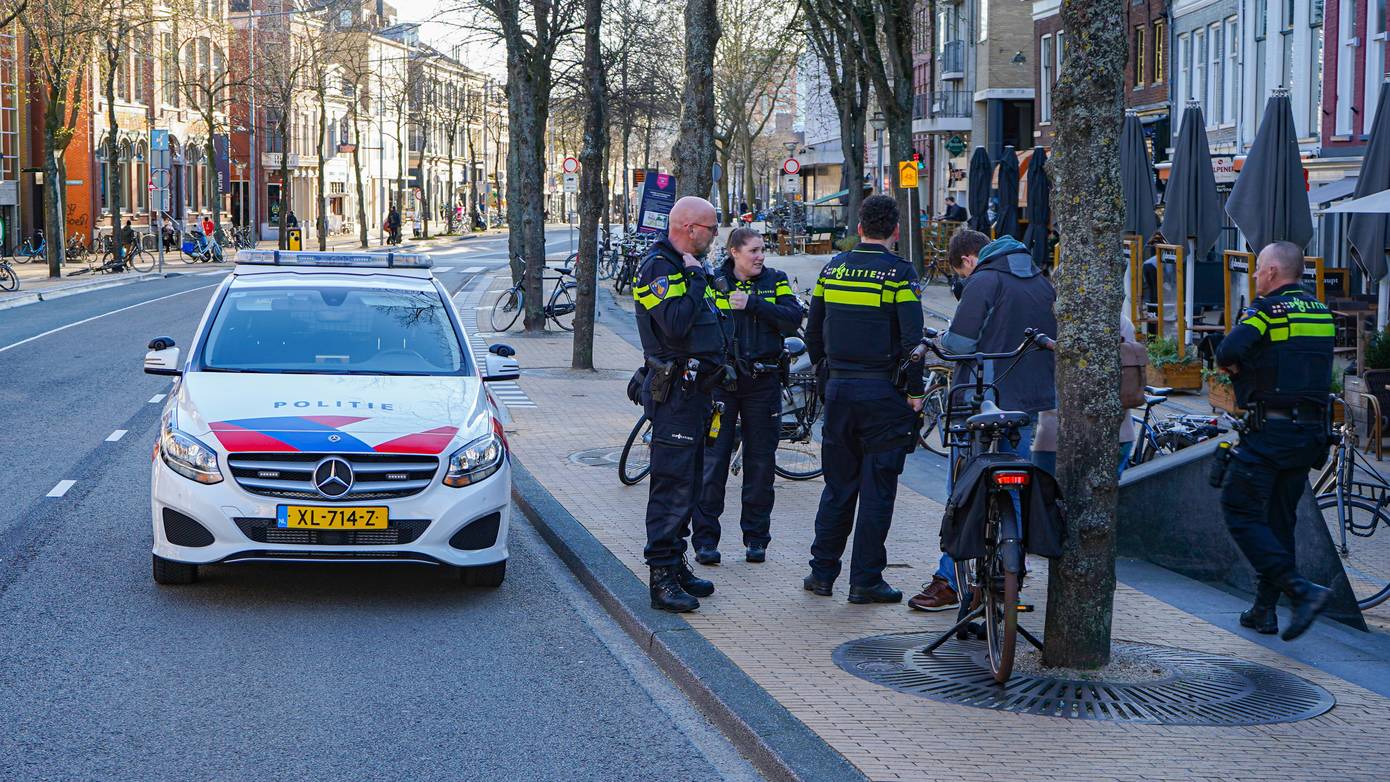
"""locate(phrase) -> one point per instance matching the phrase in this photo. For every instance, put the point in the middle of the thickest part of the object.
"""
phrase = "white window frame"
(1375, 59)
(1046, 46)
(1199, 71)
(1230, 99)
(1346, 66)
(1184, 80)
(1213, 107)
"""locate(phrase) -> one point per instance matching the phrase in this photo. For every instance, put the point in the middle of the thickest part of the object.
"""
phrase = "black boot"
(1261, 616)
(698, 587)
(667, 594)
(1308, 599)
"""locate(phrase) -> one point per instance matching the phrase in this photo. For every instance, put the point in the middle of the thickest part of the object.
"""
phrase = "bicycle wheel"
(932, 435)
(9, 281)
(636, 460)
(506, 309)
(798, 455)
(190, 257)
(1365, 557)
(561, 308)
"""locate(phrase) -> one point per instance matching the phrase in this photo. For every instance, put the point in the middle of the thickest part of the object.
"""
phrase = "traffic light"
(917, 158)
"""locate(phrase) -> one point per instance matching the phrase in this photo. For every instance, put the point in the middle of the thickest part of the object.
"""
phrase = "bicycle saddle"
(1157, 391)
(991, 417)
(565, 270)
(1150, 401)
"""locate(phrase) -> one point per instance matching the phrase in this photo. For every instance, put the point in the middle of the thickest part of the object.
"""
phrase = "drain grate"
(598, 457)
(1205, 689)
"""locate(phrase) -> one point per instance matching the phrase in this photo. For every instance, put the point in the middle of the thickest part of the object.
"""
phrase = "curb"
(34, 297)
(778, 745)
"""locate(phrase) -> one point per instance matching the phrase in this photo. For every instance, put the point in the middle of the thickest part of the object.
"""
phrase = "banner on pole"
(658, 196)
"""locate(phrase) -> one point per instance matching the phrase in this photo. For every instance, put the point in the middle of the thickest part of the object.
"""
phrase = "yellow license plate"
(319, 517)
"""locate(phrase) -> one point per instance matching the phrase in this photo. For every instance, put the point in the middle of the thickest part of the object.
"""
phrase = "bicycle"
(1354, 507)
(976, 428)
(931, 435)
(559, 307)
(1172, 433)
(33, 249)
(9, 281)
(199, 248)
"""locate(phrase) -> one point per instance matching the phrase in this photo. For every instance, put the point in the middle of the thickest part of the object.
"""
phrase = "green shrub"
(1216, 377)
(1378, 351)
(846, 243)
(1163, 352)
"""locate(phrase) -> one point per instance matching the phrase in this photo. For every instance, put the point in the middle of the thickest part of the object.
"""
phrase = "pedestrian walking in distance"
(866, 317)
(762, 310)
(1280, 360)
(683, 344)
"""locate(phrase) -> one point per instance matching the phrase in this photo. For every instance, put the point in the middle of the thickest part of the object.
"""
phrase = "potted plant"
(1220, 392)
(1171, 367)
(1339, 389)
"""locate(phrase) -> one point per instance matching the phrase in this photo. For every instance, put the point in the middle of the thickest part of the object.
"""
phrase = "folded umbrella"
(1136, 179)
(1006, 223)
(978, 179)
(1270, 201)
(1191, 207)
(1039, 208)
(1370, 233)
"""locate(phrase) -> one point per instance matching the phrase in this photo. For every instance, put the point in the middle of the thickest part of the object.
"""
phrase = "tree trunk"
(53, 206)
(473, 214)
(357, 176)
(113, 166)
(528, 108)
(592, 200)
(286, 200)
(693, 156)
(449, 204)
(723, 183)
(321, 218)
(1089, 109)
(214, 186)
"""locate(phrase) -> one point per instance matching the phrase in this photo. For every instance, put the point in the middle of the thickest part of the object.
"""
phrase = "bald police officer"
(1280, 360)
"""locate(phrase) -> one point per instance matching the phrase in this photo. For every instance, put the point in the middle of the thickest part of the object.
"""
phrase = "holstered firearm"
(663, 375)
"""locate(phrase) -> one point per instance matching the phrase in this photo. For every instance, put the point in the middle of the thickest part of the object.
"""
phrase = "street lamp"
(878, 123)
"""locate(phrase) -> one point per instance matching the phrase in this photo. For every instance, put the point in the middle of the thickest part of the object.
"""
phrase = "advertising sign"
(658, 196)
(223, 158)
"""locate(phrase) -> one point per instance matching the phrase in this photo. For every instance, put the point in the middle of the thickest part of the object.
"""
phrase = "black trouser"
(756, 404)
(868, 426)
(1268, 472)
(678, 444)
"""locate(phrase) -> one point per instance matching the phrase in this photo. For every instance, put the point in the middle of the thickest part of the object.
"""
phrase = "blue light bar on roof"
(353, 260)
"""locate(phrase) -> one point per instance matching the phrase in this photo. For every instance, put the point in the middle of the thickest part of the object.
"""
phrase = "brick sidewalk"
(783, 637)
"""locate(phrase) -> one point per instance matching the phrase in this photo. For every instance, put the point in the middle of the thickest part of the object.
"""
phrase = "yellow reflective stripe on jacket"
(854, 298)
(904, 294)
(784, 289)
(836, 283)
(675, 286)
(1257, 321)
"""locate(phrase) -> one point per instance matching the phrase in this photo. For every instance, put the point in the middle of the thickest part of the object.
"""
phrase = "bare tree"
(1088, 108)
(693, 155)
(832, 37)
(280, 77)
(592, 198)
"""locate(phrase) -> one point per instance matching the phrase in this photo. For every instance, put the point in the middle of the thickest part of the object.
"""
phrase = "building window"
(1139, 58)
(1214, 106)
(1232, 70)
(170, 68)
(1184, 85)
(1376, 15)
(1045, 64)
(1199, 70)
(1061, 54)
(1315, 72)
(1160, 73)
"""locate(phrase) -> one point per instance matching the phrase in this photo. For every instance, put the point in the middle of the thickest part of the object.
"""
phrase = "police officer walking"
(763, 310)
(684, 346)
(1280, 360)
(866, 318)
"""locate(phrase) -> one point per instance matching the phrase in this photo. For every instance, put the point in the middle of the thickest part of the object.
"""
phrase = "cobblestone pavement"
(783, 637)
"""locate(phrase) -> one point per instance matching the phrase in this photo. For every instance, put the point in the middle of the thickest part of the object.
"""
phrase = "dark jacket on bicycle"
(1004, 296)
(1044, 524)
(677, 317)
(772, 313)
(866, 315)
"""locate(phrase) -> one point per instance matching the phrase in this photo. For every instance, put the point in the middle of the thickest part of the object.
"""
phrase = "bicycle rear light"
(1011, 478)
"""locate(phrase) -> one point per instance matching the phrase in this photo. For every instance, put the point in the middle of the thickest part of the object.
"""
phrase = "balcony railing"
(953, 59)
(949, 104)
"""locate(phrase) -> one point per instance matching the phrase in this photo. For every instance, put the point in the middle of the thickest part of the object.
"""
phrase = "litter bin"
(294, 238)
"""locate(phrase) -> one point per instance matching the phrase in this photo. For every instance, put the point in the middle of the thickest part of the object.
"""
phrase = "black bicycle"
(9, 281)
(559, 307)
(976, 429)
(1354, 499)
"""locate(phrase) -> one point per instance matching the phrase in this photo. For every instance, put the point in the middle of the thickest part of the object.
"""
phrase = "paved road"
(277, 671)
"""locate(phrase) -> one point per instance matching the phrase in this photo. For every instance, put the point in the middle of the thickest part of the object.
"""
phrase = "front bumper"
(217, 508)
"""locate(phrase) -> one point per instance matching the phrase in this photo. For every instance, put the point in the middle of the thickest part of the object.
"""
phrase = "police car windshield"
(333, 329)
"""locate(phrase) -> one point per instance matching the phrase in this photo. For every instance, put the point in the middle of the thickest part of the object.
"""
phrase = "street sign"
(791, 166)
(160, 177)
(159, 140)
(955, 145)
(907, 173)
(571, 183)
(570, 165)
(791, 183)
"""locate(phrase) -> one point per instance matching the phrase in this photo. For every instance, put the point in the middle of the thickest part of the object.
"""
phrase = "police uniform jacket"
(1283, 345)
(866, 315)
(677, 317)
(772, 313)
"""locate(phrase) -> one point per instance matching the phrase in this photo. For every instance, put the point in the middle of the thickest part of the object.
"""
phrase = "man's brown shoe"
(936, 596)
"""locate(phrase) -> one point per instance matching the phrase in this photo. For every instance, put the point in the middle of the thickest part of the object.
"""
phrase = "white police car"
(330, 409)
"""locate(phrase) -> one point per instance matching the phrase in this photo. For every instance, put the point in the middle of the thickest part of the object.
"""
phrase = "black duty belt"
(861, 374)
(1300, 413)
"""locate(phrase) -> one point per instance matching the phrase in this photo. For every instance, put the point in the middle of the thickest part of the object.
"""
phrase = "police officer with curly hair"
(685, 349)
(1280, 360)
(866, 318)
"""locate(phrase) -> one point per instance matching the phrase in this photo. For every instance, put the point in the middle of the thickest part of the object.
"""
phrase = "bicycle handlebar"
(1031, 338)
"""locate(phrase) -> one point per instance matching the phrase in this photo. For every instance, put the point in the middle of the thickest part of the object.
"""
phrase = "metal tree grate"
(598, 457)
(1205, 689)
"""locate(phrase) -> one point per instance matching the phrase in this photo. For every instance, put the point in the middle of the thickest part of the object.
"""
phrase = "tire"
(506, 310)
(141, 260)
(562, 307)
(171, 573)
(1366, 558)
(1001, 619)
(488, 576)
(932, 435)
(9, 281)
(636, 460)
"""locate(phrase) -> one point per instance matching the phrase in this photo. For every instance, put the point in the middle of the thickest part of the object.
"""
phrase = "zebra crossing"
(506, 392)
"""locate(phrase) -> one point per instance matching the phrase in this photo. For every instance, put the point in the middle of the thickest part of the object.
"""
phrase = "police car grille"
(400, 531)
(376, 476)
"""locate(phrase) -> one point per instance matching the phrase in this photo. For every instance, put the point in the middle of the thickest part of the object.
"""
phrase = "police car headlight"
(186, 454)
(475, 461)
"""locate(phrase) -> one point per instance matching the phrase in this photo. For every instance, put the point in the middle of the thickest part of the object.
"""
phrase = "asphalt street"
(273, 671)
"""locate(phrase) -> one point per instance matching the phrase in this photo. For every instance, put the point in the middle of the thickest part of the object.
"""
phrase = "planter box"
(1223, 397)
(1179, 377)
(820, 247)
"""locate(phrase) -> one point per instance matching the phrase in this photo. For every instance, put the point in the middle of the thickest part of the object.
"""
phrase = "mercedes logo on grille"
(333, 477)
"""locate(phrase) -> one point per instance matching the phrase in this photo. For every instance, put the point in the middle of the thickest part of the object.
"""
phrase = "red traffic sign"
(570, 165)
(792, 166)
(151, 185)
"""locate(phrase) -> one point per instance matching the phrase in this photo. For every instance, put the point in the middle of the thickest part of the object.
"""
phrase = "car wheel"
(484, 575)
(167, 571)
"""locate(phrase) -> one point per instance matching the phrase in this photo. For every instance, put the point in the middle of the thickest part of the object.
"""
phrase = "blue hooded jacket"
(1003, 296)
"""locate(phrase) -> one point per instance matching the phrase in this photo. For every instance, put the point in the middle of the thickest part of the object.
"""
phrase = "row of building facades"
(985, 71)
(276, 73)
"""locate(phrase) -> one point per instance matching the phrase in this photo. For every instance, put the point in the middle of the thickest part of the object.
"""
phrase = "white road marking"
(102, 315)
(115, 436)
(156, 398)
(442, 269)
(474, 269)
(60, 489)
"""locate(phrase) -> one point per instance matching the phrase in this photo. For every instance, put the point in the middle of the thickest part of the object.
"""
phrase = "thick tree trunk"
(693, 156)
(214, 186)
(528, 103)
(591, 191)
(362, 236)
(1089, 109)
(113, 166)
(453, 196)
(53, 206)
(321, 214)
(723, 184)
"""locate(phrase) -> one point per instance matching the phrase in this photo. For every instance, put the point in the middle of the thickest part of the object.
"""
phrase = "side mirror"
(500, 368)
(501, 349)
(164, 359)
